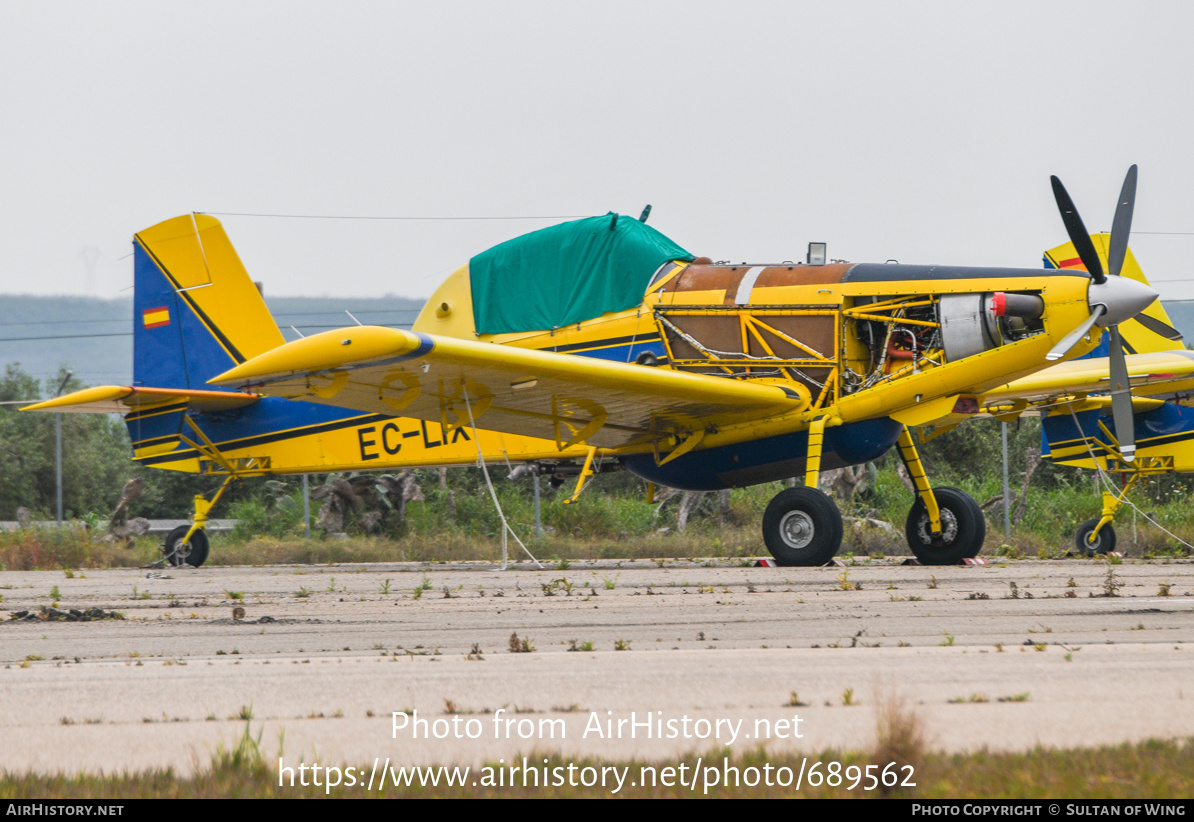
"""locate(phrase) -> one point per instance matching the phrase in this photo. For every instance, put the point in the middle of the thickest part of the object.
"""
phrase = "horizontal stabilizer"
(115, 399)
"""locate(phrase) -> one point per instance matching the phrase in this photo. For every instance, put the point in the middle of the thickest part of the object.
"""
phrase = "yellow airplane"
(601, 340)
(1076, 400)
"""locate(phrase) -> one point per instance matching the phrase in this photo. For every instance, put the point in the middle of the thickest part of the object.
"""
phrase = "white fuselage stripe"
(747, 285)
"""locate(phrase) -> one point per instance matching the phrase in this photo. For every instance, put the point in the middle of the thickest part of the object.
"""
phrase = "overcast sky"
(917, 131)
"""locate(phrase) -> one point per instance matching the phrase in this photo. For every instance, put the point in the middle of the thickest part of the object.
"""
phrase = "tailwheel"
(963, 529)
(192, 552)
(802, 526)
(1104, 543)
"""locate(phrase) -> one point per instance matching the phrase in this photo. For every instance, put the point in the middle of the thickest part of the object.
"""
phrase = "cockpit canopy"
(566, 273)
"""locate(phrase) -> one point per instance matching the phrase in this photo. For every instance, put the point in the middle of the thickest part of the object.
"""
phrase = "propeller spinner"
(1112, 299)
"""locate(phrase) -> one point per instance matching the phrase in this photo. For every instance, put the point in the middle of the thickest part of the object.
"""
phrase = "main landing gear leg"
(802, 525)
(187, 544)
(945, 525)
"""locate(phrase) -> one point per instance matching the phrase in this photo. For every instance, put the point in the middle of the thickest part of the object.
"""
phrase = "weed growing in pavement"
(844, 583)
(1111, 585)
(520, 646)
(1024, 697)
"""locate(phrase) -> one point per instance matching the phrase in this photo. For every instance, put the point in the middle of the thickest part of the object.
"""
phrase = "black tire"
(802, 526)
(962, 524)
(1105, 543)
(194, 553)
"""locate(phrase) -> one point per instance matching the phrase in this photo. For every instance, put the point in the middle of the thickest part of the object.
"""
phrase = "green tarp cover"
(566, 273)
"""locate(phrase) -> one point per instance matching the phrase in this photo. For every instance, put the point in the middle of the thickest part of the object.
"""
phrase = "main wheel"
(178, 552)
(1103, 543)
(963, 529)
(802, 526)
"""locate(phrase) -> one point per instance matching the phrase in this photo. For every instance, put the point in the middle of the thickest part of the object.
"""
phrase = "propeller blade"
(1070, 340)
(1121, 398)
(1077, 231)
(1122, 226)
(1158, 327)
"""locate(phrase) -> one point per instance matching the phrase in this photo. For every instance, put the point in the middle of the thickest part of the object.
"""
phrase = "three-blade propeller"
(1112, 300)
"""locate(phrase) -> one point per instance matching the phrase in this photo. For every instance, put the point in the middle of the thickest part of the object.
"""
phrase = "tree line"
(96, 460)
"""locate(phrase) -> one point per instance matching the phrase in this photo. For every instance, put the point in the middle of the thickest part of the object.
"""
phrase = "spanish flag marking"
(156, 317)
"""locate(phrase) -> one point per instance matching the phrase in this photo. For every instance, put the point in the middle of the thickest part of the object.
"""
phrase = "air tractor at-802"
(601, 342)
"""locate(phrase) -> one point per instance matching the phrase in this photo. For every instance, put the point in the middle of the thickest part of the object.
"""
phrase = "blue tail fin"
(196, 312)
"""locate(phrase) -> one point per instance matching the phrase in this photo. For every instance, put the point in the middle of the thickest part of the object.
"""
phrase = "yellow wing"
(567, 398)
(1153, 376)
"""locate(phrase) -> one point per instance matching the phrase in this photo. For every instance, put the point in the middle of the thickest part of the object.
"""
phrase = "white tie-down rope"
(492, 493)
(1110, 483)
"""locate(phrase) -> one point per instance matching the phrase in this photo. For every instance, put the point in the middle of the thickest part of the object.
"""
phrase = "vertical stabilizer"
(196, 312)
